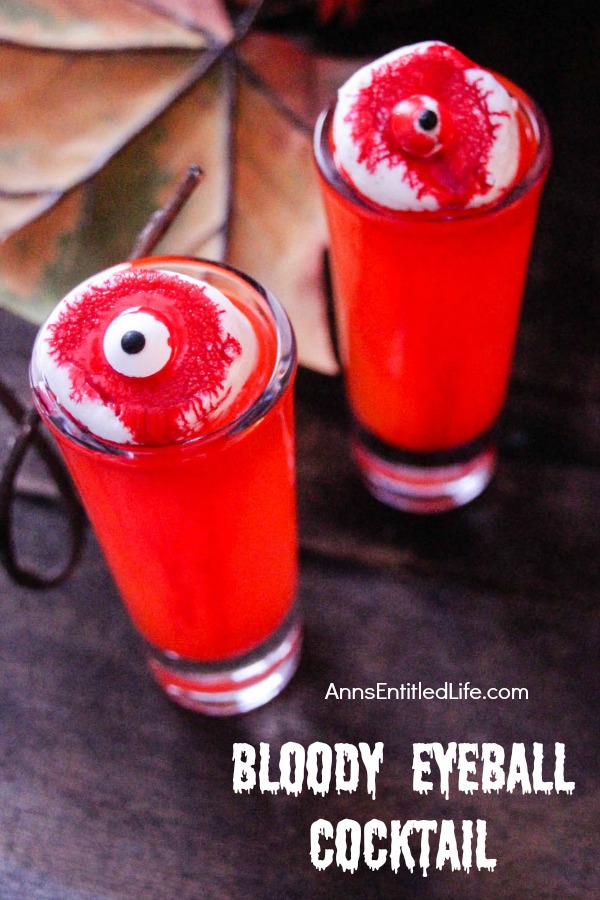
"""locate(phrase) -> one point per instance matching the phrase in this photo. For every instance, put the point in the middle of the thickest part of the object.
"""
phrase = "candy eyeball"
(419, 125)
(137, 344)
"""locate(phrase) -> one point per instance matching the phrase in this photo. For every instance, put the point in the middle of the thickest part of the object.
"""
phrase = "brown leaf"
(278, 232)
(17, 212)
(258, 207)
(198, 129)
(207, 16)
(33, 261)
(114, 24)
(56, 126)
(95, 226)
(285, 71)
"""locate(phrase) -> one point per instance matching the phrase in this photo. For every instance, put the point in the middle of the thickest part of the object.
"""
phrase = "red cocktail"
(427, 306)
(200, 533)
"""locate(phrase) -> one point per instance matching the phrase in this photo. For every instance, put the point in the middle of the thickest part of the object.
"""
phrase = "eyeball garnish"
(137, 344)
(425, 129)
(419, 126)
(149, 356)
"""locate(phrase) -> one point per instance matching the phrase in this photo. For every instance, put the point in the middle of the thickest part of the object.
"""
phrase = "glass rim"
(534, 174)
(281, 375)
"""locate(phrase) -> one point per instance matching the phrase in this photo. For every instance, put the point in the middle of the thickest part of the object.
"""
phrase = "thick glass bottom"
(420, 482)
(235, 685)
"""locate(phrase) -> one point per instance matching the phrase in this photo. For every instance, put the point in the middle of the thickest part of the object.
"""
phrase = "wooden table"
(108, 791)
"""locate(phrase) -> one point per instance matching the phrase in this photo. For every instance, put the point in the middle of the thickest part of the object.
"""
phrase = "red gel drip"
(458, 172)
(192, 380)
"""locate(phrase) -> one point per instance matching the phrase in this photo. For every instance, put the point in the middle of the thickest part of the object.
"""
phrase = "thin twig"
(163, 218)
(28, 435)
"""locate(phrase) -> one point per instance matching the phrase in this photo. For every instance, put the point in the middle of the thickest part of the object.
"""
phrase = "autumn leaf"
(95, 225)
(92, 142)
(113, 24)
(278, 232)
(44, 148)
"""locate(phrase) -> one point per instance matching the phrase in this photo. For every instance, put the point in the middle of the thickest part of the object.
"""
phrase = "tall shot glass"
(201, 536)
(427, 308)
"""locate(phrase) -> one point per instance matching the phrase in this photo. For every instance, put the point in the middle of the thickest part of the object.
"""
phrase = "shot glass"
(427, 308)
(201, 536)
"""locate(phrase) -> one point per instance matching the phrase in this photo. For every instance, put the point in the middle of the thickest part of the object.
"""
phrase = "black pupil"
(133, 341)
(428, 120)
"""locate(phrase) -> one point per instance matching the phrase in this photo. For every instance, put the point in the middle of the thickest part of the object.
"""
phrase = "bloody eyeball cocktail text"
(431, 171)
(164, 384)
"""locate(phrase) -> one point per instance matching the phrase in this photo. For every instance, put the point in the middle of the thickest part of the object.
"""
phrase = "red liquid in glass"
(428, 307)
(201, 536)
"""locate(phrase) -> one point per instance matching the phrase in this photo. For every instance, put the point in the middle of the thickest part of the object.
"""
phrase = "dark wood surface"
(107, 791)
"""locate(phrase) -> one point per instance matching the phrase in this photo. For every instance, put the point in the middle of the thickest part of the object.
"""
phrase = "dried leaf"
(56, 126)
(278, 232)
(95, 225)
(284, 71)
(247, 124)
(15, 213)
(207, 16)
(198, 129)
(113, 24)
(34, 262)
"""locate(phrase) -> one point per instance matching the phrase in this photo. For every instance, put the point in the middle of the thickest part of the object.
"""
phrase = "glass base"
(236, 685)
(422, 483)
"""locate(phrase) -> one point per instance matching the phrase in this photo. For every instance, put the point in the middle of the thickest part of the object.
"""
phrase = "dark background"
(107, 791)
